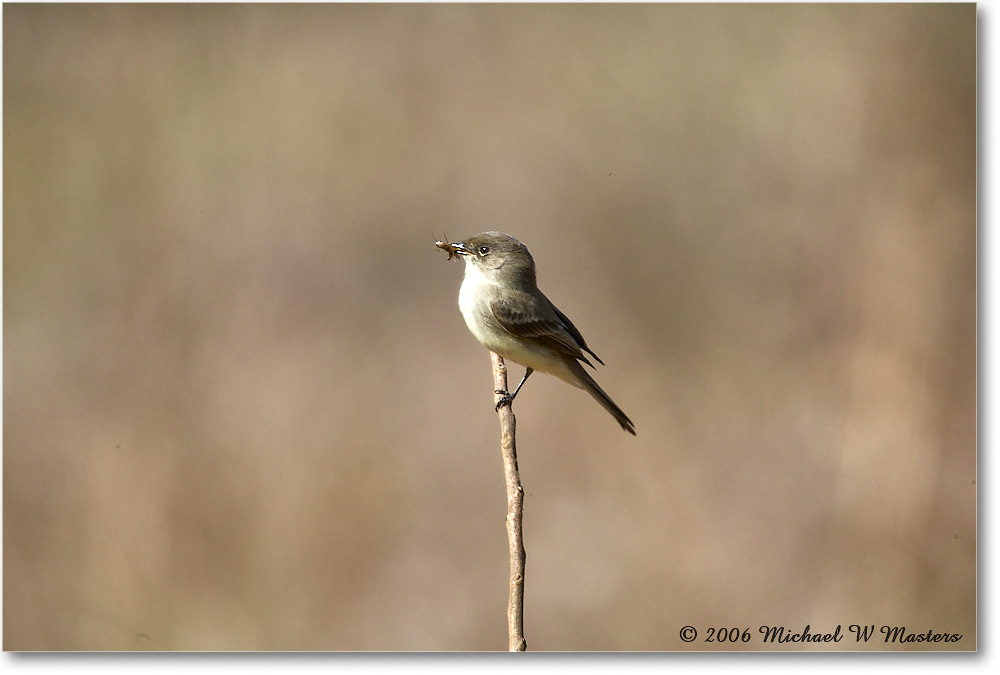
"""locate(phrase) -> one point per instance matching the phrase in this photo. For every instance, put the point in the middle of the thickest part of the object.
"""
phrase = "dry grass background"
(242, 411)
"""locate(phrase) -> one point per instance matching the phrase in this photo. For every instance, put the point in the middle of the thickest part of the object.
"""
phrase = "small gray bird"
(507, 313)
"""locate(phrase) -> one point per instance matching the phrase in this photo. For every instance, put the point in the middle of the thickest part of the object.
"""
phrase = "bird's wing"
(549, 330)
(571, 329)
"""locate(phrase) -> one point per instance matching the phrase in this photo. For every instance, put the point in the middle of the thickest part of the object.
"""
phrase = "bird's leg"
(507, 399)
(524, 379)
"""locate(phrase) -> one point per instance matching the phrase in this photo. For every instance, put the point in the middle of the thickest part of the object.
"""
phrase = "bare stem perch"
(515, 503)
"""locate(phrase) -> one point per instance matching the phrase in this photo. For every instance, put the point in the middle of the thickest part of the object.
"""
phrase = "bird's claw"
(505, 399)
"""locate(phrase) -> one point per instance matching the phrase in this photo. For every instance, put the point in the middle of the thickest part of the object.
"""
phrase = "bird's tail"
(588, 383)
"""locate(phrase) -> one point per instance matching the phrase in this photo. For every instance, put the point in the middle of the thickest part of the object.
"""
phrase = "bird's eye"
(483, 250)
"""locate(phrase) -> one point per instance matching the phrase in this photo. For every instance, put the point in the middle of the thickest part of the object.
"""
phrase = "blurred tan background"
(242, 410)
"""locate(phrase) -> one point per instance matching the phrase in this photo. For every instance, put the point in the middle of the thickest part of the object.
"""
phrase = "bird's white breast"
(475, 287)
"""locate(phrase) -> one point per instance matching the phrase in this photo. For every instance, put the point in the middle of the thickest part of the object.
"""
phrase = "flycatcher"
(507, 313)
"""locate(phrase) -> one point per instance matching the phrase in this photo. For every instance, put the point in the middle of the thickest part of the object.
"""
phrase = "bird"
(509, 315)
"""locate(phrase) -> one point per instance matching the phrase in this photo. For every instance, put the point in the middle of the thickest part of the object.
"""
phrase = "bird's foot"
(505, 399)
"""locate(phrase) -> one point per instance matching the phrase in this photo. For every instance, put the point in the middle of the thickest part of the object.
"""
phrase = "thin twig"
(515, 504)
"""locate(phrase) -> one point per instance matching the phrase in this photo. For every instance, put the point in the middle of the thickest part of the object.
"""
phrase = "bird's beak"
(453, 249)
